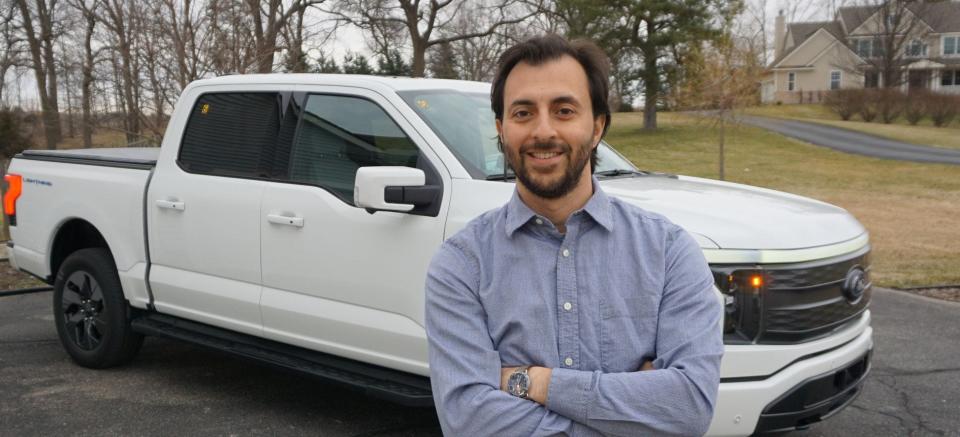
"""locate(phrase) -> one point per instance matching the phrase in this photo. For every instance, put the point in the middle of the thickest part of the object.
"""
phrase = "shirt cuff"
(571, 392)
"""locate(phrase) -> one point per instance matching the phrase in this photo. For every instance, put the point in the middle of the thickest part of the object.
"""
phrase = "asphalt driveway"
(176, 389)
(846, 140)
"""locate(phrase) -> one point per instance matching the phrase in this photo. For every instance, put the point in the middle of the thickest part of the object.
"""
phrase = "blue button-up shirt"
(621, 286)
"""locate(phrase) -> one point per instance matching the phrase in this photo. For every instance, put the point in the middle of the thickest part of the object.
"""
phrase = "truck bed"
(101, 188)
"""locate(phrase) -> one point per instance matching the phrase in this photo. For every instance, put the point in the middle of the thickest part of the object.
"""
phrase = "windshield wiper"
(621, 172)
(502, 177)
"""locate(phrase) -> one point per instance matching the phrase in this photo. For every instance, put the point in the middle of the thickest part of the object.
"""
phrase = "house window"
(916, 49)
(863, 47)
(871, 79)
(950, 78)
(835, 80)
(791, 81)
(878, 49)
(951, 45)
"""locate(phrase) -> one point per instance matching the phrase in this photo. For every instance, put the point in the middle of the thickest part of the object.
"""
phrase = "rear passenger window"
(232, 134)
(340, 134)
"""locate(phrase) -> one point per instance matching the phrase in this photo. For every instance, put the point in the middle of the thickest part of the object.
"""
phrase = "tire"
(91, 313)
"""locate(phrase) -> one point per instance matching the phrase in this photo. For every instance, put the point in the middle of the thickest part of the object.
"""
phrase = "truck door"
(204, 209)
(337, 278)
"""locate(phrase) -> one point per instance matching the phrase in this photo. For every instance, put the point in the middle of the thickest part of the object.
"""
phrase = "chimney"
(779, 34)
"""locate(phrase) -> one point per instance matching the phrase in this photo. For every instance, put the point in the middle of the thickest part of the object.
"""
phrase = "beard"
(577, 159)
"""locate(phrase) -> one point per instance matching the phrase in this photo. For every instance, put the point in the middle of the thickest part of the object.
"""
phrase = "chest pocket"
(628, 329)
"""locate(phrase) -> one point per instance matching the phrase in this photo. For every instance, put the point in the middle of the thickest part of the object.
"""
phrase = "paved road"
(175, 389)
(849, 141)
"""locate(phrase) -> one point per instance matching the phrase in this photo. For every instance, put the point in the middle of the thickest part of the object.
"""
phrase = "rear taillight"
(14, 188)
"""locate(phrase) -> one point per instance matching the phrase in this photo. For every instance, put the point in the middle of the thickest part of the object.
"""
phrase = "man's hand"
(540, 380)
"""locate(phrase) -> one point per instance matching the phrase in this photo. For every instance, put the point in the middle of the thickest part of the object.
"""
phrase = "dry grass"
(924, 133)
(911, 210)
(101, 138)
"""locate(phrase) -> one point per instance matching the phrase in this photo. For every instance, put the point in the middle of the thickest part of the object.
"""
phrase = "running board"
(391, 385)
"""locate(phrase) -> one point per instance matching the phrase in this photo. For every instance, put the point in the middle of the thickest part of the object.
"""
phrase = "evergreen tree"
(444, 62)
(392, 64)
(326, 65)
(356, 64)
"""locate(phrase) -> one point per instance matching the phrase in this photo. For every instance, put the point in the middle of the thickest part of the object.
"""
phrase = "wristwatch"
(518, 384)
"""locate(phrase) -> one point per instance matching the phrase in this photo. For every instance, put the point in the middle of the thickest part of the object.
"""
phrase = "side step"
(391, 385)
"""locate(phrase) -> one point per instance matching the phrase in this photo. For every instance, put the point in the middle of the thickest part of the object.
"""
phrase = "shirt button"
(539, 221)
(566, 252)
(567, 306)
(568, 361)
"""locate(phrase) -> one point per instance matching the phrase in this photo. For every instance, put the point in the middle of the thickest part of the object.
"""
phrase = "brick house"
(811, 58)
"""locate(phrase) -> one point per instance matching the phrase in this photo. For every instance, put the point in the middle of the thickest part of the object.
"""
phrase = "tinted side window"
(340, 134)
(229, 134)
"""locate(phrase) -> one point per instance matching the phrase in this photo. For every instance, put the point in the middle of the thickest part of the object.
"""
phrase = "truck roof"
(396, 83)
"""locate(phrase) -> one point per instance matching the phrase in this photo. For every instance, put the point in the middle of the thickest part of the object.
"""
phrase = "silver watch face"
(518, 383)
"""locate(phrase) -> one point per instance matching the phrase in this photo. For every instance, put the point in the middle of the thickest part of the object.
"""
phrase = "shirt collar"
(598, 208)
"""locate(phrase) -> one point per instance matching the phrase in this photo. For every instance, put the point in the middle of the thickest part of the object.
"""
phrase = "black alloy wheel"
(83, 310)
(91, 312)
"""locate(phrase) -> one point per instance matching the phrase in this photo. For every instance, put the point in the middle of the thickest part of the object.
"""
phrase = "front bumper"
(768, 404)
(816, 399)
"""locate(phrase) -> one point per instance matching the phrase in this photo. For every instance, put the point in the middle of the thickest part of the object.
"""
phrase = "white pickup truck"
(290, 219)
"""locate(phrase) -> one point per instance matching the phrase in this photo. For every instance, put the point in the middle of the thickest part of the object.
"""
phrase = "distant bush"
(889, 104)
(869, 107)
(13, 136)
(915, 106)
(943, 109)
(844, 102)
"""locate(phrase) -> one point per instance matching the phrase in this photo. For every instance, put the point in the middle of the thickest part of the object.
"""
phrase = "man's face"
(548, 128)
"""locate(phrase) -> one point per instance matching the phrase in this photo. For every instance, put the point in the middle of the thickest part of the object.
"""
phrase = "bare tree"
(11, 54)
(123, 18)
(186, 26)
(40, 39)
(424, 19)
(721, 78)
(232, 49)
(269, 18)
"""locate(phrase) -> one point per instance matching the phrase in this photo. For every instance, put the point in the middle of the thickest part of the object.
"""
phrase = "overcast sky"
(22, 90)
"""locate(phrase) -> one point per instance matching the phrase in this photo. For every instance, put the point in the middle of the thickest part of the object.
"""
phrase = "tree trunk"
(651, 83)
(43, 71)
(723, 137)
(86, 83)
(419, 58)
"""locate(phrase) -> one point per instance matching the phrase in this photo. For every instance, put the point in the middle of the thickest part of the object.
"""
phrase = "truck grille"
(797, 302)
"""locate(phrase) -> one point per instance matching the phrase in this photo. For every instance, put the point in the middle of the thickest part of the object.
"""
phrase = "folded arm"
(464, 367)
(679, 395)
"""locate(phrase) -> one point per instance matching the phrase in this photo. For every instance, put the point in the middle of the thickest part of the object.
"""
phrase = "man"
(544, 316)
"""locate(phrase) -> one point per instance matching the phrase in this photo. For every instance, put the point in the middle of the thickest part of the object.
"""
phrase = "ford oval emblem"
(855, 285)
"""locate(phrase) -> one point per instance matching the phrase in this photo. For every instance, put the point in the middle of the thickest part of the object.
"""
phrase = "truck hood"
(735, 216)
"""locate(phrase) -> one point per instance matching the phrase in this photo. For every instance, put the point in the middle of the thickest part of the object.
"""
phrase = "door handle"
(285, 220)
(169, 204)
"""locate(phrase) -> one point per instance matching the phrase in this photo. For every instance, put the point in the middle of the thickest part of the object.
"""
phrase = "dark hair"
(541, 49)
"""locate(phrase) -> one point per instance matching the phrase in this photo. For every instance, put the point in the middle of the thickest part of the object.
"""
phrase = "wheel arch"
(73, 234)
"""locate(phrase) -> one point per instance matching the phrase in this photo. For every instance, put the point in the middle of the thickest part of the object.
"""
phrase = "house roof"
(942, 17)
(854, 16)
(803, 31)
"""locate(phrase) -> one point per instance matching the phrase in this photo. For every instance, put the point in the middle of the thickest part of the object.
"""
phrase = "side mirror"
(388, 188)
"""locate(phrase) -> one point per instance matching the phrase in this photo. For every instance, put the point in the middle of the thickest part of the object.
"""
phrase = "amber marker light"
(756, 281)
(14, 188)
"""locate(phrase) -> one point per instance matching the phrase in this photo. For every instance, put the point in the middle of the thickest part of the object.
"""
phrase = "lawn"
(924, 133)
(911, 210)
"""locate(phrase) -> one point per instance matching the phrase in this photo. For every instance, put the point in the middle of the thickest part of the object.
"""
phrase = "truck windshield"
(465, 123)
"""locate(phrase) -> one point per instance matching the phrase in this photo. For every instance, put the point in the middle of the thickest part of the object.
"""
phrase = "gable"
(808, 50)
